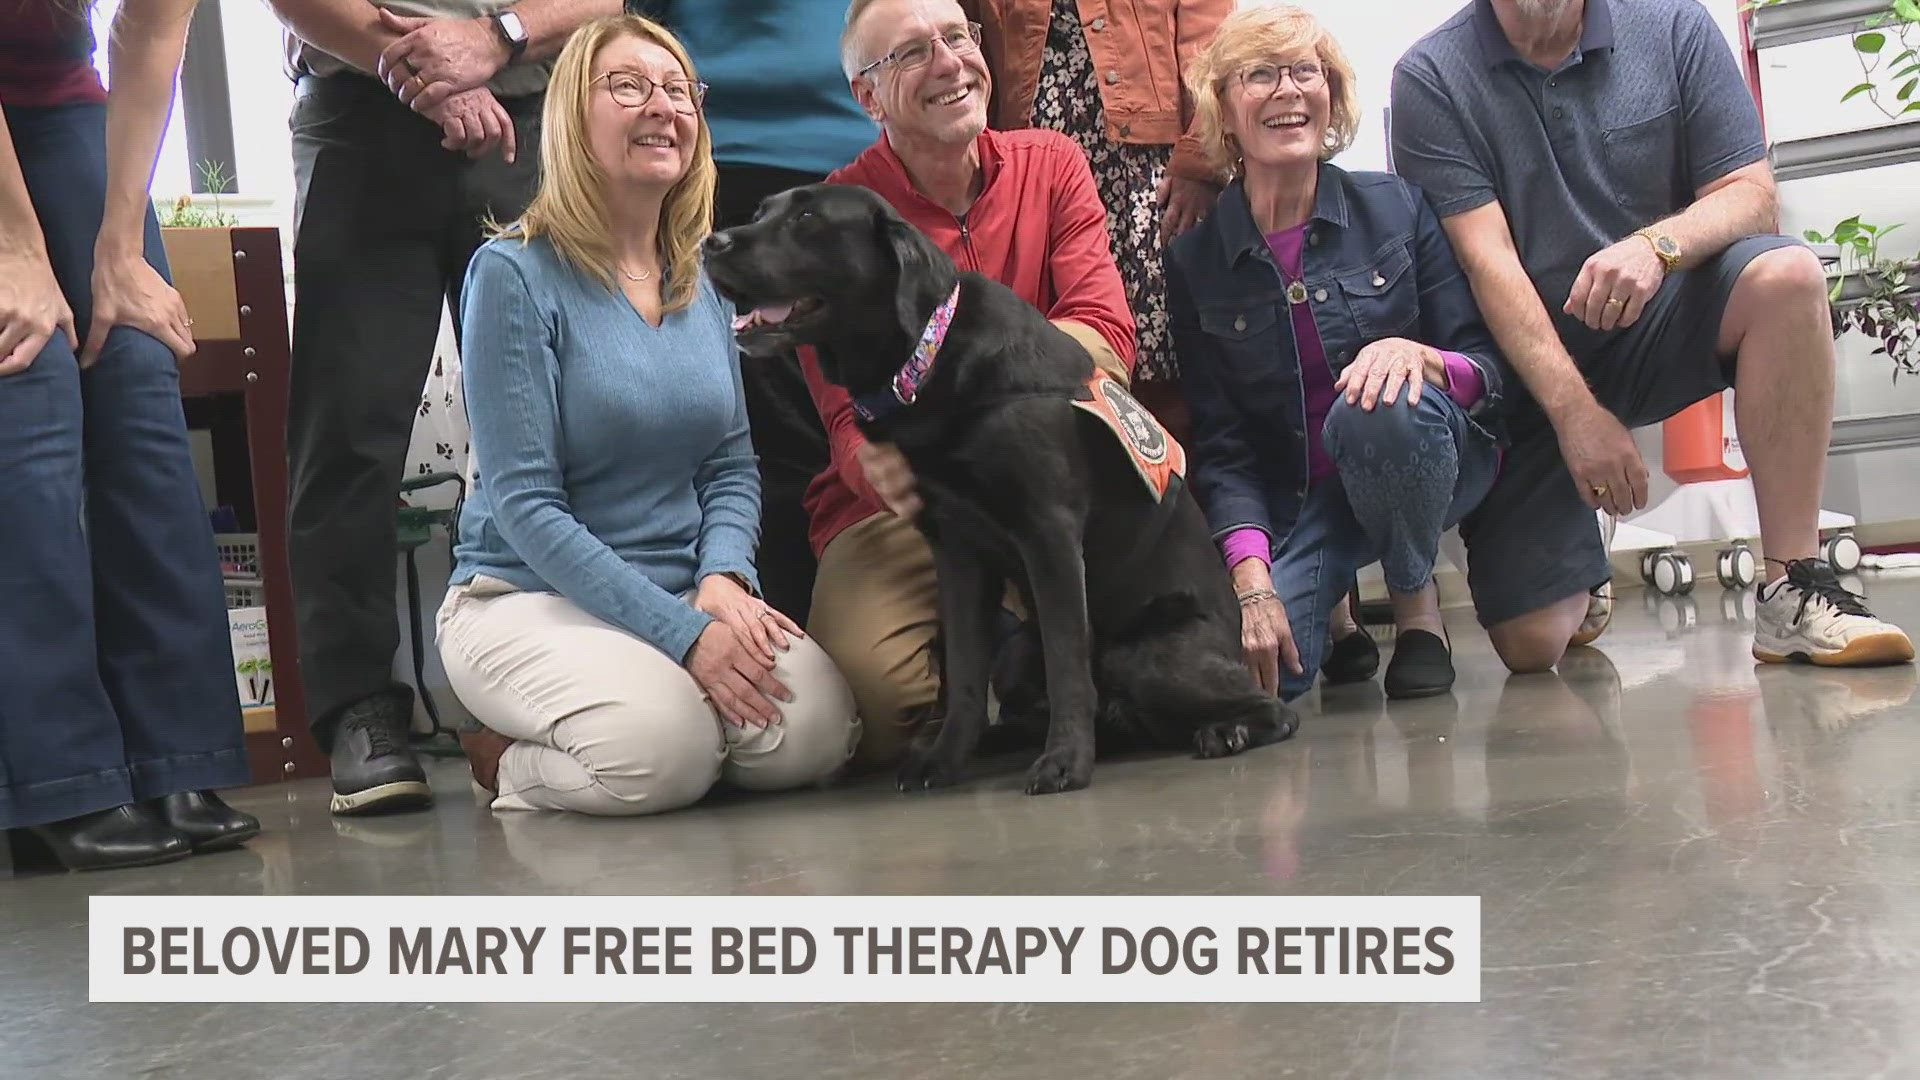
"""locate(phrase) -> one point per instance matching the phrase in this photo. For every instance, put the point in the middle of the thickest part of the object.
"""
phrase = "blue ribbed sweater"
(613, 461)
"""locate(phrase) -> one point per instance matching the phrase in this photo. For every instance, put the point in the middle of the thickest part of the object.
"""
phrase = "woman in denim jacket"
(1339, 374)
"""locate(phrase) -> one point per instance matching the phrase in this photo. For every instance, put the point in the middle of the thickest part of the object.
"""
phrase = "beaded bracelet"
(1254, 596)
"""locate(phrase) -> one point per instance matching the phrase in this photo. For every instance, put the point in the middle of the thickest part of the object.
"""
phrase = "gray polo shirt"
(1649, 108)
(510, 81)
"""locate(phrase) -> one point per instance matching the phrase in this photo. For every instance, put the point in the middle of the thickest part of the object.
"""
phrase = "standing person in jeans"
(1600, 169)
(781, 117)
(1109, 77)
(118, 709)
(396, 180)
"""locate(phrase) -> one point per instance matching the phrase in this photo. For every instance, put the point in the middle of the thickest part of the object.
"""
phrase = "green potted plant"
(1872, 293)
(199, 249)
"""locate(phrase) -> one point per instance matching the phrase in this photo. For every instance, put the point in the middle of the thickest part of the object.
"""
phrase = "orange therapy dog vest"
(1157, 457)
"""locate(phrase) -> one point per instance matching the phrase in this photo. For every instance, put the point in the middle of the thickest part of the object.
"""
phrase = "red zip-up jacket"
(1038, 228)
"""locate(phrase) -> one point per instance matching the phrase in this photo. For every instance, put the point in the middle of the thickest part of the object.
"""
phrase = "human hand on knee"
(734, 678)
(32, 310)
(1615, 284)
(762, 626)
(1384, 366)
(129, 292)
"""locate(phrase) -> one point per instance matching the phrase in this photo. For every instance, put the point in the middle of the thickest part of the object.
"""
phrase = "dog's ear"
(916, 259)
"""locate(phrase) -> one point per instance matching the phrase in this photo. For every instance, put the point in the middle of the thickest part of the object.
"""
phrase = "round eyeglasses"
(1264, 78)
(632, 90)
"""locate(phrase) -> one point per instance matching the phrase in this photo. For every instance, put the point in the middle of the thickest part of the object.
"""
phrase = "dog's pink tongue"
(763, 315)
(774, 313)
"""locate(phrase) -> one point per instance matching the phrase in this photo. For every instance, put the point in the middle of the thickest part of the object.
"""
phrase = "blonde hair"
(1250, 36)
(570, 209)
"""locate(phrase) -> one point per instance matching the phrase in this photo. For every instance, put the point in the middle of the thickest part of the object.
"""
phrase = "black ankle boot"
(206, 821)
(130, 835)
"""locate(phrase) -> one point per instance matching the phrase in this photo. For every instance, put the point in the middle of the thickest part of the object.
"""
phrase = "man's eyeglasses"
(1264, 78)
(632, 89)
(959, 40)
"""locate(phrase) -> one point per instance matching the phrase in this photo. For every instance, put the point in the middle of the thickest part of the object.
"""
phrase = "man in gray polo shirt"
(1599, 167)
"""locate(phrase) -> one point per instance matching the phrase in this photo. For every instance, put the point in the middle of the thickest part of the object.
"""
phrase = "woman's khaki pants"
(605, 723)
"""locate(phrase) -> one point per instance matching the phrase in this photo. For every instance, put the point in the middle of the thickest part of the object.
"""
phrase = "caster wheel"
(1672, 574)
(1646, 566)
(1678, 615)
(1736, 568)
(1842, 552)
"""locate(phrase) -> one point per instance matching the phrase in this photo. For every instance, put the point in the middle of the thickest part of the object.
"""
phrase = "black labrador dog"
(1138, 624)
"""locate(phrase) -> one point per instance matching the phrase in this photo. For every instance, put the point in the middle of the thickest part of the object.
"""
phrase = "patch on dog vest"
(1156, 456)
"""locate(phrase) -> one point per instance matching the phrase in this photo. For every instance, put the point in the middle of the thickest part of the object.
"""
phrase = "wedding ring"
(1612, 300)
(1600, 491)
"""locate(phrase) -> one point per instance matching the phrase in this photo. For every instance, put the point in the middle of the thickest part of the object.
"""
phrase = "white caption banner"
(785, 948)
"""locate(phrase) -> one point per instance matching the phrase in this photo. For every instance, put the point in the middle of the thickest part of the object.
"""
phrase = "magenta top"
(1464, 386)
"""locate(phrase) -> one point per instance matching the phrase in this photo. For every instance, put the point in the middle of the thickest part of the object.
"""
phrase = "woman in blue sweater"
(604, 623)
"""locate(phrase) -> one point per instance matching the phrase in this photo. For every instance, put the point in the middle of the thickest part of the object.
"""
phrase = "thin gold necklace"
(641, 276)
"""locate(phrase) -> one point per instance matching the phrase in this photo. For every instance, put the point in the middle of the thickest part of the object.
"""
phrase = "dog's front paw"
(1061, 768)
(1222, 739)
(925, 766)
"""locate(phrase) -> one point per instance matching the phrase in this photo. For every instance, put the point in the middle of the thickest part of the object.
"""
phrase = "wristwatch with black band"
(512, 31)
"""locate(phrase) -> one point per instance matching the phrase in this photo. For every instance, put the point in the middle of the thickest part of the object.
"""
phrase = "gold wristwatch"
(1664, 246)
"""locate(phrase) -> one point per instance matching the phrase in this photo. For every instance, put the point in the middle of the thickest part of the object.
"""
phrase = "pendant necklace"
(1296, 291)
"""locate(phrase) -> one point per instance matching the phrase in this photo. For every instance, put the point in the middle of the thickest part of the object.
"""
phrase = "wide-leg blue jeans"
(116, 673)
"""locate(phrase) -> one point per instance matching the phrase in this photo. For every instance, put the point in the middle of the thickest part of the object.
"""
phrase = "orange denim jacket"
(1140, 49)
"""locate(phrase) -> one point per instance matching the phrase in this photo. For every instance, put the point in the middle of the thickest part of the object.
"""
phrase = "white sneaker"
(1599, 615)
(1807, 616)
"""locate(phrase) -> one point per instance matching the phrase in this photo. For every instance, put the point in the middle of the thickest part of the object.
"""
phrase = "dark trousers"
(384, 225)
(116, 674)
(787, 433)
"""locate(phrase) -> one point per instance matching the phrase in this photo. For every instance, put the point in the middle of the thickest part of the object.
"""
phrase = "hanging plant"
(1886, 310)
(1889, 55)
(1888, 49)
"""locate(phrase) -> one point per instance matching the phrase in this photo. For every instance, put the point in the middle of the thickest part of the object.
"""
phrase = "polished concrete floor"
(1690, 868)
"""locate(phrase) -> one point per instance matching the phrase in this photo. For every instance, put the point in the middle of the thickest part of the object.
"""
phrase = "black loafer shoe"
(1351, 659)
(1422, 666)
(130, 835)
(205, 820)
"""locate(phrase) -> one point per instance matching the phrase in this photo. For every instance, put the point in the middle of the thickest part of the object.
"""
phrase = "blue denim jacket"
(1377, 265)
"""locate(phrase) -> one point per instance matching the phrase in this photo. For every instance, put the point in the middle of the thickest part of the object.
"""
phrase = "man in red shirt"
(1017, 206)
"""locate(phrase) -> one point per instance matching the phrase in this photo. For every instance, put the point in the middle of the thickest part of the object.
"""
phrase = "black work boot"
(374, 770)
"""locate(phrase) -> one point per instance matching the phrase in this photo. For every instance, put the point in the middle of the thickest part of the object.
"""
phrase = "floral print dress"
(1068, 101)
